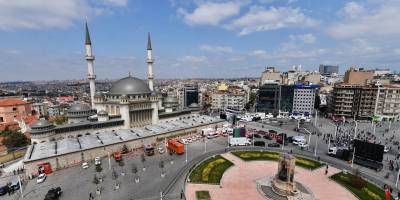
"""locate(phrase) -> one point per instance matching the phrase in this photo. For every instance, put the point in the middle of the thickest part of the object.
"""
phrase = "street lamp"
(329, 143)
(309, 137)
(355, 129)
(186, 154)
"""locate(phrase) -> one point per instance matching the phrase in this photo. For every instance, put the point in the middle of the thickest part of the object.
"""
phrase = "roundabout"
(250, 169)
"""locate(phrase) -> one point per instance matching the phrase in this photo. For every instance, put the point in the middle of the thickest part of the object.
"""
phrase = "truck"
(239, 141)
(175, 147)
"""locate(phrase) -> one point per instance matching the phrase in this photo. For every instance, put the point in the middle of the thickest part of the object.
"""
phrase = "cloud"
(216, 49)
(367, 20)
(397, 51)
(262, 19)
(259, 53)
(36, 14)
(192, 59)
(306, 38)
(210, 13)
(117, 2)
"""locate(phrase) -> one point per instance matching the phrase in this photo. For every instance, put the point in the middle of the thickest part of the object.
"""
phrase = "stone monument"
(283, 183)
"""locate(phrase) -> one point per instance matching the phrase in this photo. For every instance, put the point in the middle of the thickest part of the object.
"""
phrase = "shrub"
(98, 168)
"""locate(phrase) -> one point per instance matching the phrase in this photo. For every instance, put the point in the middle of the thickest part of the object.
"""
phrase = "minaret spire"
(89, 59)
(148, 42)
(150, 63)
(87, 41)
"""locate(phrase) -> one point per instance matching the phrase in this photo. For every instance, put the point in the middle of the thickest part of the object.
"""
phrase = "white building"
(304, 98)
(223, 101)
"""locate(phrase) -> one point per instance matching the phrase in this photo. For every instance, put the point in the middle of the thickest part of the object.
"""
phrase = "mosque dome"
(79, 108)
(130, 85)
(41, 123)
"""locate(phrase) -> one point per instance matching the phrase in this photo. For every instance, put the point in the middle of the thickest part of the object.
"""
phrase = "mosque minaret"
(90, 58)
(150, 64)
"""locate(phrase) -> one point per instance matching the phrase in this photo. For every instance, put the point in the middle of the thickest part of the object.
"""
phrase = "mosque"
(130, 103)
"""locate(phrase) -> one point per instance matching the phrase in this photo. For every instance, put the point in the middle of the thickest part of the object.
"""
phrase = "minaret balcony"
(91, 76)
(89, 57)
(150, 60)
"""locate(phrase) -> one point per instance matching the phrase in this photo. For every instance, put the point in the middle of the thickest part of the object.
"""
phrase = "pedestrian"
(90, 196)
(326, 169)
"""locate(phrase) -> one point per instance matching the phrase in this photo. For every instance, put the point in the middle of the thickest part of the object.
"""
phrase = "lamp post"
(398, 174)
(354, 154)
(355, 129)
(186, 154)
(316, 118)
(329, 143)
(109, 161)
(309, 137)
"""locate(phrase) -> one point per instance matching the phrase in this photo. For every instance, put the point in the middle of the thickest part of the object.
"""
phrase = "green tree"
(14, 139)
(60, 120)
(252, 101)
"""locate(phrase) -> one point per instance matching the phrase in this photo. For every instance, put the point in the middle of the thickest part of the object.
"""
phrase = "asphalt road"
(77, 183)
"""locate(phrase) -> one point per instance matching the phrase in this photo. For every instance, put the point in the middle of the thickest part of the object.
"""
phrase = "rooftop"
(12, 102)
(98, 139)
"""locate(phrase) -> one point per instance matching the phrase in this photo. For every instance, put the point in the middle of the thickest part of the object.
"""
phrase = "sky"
(44, 39)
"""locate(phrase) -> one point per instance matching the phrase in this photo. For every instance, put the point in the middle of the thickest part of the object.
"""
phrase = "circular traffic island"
(250, 175)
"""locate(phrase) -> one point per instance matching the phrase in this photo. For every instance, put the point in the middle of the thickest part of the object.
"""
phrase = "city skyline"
(206, 39)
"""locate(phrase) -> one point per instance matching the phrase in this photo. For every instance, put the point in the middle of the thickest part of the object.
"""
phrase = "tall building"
(357, 76)
(345, 100)
(304, 98)
(328, 70)
(268, 97)
(275, 98)
(270, 75)
(191, 95)
(286, 98)
(227, 100)
(366, 101)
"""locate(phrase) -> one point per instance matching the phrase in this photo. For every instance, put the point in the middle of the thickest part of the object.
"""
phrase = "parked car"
(303, 145)
(53, 194)
(386, 149)
(161, 150)
(14, 185)
(41, 178)
(85, 165)
(97, 161)
(4, 190)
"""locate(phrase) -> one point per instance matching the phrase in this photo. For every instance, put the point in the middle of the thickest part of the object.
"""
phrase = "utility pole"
(109, 161)
(316, 117)
(354, 154)
(355, 129)
(316, 146)
(20, 187)
(186, 157)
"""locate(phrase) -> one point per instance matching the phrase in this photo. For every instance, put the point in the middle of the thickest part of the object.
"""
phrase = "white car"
(161, 150)
(41, 178)
(303, 145)
(85, 165)
(184, 141)
(97, 161)
(386, 149)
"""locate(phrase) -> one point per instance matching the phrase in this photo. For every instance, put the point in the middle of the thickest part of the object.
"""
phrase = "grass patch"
(210, 171)
(369, 192)
(274, 156)
(10, 156)
(203, 195)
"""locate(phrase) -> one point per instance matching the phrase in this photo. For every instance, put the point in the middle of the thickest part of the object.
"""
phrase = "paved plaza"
(239, 181)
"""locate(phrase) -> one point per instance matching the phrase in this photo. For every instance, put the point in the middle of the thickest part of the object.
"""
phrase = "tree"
(60, 120)
(252, 101)
(98, 168)
(125, 149)
(15, 140)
